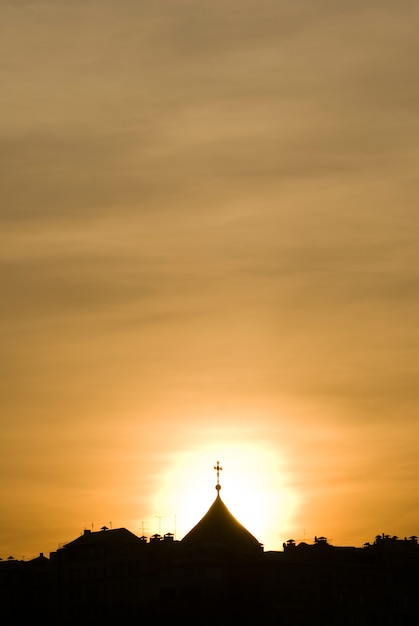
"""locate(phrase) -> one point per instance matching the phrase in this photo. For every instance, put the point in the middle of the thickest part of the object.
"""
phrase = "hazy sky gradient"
(209, 234)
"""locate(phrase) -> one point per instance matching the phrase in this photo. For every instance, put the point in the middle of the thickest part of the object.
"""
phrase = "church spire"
(218, 469)
(219, 529)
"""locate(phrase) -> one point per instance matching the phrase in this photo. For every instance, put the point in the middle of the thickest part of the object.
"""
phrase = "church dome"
(220, 527)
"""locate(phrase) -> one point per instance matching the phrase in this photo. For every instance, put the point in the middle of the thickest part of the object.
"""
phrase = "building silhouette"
(219, 572)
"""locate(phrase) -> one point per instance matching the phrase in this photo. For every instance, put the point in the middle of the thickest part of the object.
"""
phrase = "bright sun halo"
(253, 487)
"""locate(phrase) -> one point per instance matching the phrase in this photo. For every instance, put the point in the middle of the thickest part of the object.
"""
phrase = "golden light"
(253, 487)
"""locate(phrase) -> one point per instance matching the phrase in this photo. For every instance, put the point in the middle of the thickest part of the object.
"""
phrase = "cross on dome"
(218, 469)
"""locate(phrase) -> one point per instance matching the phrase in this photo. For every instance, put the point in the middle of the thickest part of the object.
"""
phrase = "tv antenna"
(160, 517)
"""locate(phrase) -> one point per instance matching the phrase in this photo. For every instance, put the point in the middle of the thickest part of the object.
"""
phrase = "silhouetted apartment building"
(218, 573)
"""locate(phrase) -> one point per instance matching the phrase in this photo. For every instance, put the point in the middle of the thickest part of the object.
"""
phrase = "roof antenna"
(218, 469)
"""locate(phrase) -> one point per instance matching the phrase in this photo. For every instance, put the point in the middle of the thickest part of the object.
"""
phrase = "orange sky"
(209, 250)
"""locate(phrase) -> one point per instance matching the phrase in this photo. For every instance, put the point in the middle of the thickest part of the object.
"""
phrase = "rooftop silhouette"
(113, 576)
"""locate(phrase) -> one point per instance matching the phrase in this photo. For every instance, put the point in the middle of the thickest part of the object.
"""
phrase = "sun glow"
(253, 487)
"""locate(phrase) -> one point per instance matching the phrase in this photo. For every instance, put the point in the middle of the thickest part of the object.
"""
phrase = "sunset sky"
(209, 251)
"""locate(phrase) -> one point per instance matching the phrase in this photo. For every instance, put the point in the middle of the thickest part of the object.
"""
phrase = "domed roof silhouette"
(220, 527)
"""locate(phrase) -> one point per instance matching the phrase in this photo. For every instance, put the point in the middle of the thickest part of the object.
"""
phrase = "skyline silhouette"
(112, 575)
(217, 525)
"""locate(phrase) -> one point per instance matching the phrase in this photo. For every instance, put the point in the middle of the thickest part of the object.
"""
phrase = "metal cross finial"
(218, 469)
